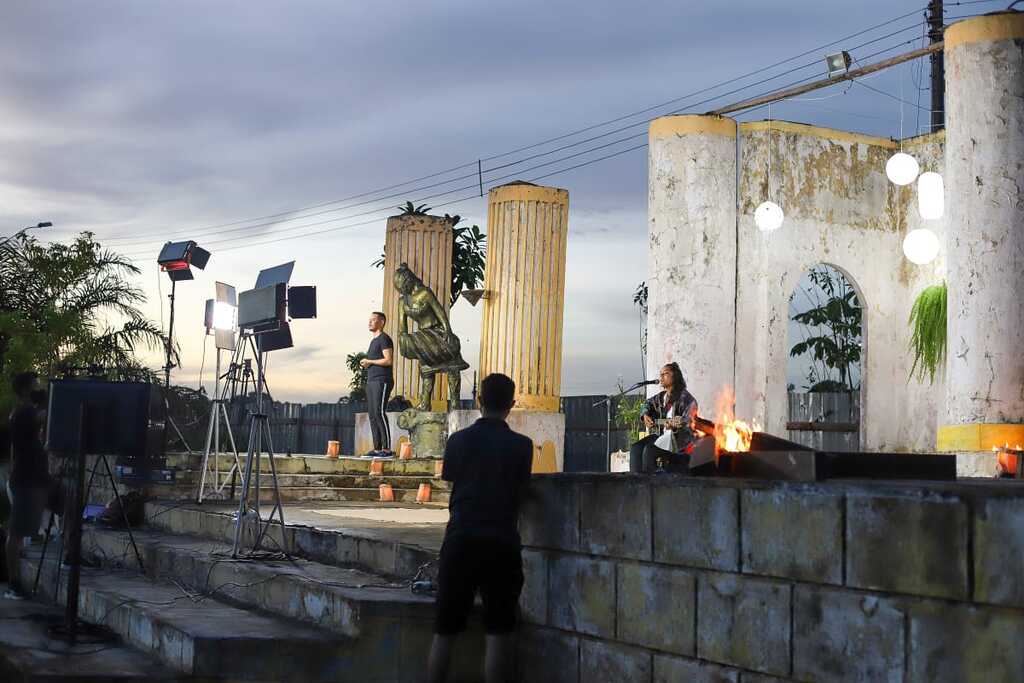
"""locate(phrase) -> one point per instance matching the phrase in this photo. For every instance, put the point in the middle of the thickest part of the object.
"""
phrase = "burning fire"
(731, 435)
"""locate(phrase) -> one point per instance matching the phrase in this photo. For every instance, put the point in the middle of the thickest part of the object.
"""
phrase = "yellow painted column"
(525, 291)
(425, 244)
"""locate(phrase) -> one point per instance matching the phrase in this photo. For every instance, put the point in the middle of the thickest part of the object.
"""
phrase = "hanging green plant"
(928, 340)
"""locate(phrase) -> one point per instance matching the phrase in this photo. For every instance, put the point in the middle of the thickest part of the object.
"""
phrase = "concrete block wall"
(632, 578)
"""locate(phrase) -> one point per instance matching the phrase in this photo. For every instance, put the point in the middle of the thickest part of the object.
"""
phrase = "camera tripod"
(259, 440)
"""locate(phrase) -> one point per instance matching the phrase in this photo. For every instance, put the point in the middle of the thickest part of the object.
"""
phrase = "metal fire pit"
(771, 457)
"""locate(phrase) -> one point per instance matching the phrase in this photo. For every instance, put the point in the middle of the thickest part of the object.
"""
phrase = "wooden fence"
(825, 421)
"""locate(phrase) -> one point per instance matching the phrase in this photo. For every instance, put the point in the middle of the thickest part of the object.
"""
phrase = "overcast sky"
(148, 121)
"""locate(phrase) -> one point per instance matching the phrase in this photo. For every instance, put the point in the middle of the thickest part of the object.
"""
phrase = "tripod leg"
(278, 506)
(124, 513)
(42, 557)
(243, 499)
(205, 460)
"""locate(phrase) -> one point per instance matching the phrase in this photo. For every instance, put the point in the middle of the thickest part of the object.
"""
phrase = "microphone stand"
(607, 402)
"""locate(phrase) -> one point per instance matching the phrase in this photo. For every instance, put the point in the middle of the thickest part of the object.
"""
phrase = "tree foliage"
(469, 252)
(357, 385)
(928, 338)
(831, 329)
(70, 305)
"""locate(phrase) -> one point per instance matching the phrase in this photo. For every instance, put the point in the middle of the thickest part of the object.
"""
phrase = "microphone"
(650, 381)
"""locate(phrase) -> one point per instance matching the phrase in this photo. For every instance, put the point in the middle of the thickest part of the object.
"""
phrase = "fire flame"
(731, 435)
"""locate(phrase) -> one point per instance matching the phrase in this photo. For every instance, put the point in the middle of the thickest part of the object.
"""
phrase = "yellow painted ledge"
(667, 126)
(988, 29)
(544, 404)
(527, 192)
(978, 437)
(819, 132)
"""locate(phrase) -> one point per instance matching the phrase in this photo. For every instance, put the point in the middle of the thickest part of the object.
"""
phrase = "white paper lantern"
(931, 201)
(768, 216)
(921, 246)
(902, 168)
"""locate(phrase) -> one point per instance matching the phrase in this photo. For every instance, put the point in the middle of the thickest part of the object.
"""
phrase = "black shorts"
(493, 567)
(27, 506)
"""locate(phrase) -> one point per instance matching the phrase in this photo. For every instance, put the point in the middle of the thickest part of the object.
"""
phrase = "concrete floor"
(409, 524)
(29, 653)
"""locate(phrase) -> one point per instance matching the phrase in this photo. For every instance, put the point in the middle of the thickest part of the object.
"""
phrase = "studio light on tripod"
(177, 258)
(221, 318)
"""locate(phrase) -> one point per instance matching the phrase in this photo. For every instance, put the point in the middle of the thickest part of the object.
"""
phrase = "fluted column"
(425, 244)
(525, 285)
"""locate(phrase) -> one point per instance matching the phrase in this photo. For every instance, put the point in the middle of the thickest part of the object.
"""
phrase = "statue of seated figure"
(433, 343)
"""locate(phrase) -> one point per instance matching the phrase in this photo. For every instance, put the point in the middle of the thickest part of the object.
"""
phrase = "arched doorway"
(825, 361)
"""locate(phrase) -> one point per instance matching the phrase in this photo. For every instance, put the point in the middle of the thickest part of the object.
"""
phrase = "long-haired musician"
(673, 409)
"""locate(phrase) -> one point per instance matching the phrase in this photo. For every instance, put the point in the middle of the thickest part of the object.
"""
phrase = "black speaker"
(302, 301)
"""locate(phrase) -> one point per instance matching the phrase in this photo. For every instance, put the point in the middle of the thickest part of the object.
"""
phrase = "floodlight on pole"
(838, 62)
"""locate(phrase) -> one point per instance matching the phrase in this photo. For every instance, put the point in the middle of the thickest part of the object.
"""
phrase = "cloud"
(166, 118)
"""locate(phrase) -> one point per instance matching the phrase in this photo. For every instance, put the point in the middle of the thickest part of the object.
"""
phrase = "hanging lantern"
(902, 168)
(921, 246)
(931, 201)
(768, 216)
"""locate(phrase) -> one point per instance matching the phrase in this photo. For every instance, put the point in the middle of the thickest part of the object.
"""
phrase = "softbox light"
(263, 309)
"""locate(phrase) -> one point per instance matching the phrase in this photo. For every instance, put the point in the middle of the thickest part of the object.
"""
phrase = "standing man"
(28, 483)
(379, 382)
(489, 467)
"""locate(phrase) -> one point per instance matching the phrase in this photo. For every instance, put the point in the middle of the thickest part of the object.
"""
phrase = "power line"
(491, 181)
(494, 181)
(133, 238)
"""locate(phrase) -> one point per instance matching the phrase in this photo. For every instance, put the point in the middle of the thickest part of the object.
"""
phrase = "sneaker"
(13, 593)
(370, 454)
(384, 455)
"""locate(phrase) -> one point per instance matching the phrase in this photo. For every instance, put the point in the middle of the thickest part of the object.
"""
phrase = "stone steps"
(296, 494)
(374, 552)
(316, 464)
(209, 616)
(341, 481)
(207, 638)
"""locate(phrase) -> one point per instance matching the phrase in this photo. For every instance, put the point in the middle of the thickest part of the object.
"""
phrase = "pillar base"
(545, 429)
(978, 437)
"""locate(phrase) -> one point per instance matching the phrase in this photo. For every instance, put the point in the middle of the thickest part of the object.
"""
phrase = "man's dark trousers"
(377, 394)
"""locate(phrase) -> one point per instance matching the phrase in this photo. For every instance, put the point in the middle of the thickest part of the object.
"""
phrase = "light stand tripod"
(168, 365)
(218, 412)
(259, 429)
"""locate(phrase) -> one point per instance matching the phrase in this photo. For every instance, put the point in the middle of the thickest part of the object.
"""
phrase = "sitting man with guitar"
(674, 410)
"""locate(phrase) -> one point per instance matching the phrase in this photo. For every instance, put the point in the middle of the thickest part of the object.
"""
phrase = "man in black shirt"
(489, 467)
(27, 485)
(379, 382)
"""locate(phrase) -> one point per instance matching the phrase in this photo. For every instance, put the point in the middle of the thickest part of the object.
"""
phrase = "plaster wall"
(840, 210)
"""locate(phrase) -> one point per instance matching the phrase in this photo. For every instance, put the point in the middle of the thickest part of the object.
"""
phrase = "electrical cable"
(134, 236)
(492, 181)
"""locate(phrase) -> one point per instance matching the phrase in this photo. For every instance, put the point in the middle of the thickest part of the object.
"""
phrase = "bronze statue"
(433, 343)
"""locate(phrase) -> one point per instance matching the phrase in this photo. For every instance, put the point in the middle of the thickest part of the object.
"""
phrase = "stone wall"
(642, 579)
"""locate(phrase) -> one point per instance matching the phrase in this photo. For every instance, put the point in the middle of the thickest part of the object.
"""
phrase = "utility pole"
(938, 63)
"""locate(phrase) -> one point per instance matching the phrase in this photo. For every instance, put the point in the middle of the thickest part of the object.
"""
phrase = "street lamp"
(44, 224)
